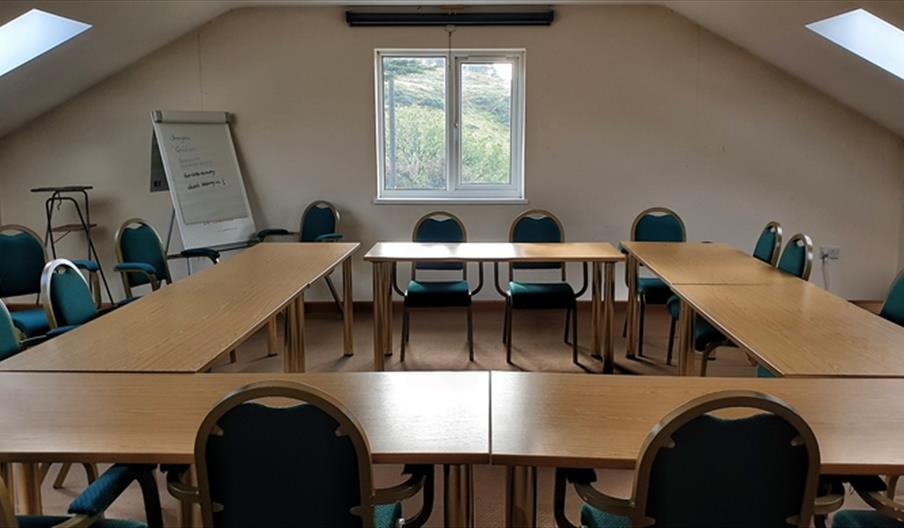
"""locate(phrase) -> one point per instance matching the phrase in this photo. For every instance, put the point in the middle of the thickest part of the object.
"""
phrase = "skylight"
(33, 34)
(867, 36)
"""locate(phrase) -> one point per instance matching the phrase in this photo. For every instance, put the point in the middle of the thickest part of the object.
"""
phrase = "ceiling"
(770, 29)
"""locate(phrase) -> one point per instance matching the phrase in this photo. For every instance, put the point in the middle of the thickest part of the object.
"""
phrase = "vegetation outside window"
(450, 125)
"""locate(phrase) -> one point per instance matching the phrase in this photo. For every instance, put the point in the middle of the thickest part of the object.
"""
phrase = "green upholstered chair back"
(893, 308)
(9, 339)
(65, 295)
(319, 218)
(797, 257)
(700, 470)
(769, 244)
(137, 241)
(439, 226)
(658, 224)
(22, 258)
(537, 225)
(306, 464)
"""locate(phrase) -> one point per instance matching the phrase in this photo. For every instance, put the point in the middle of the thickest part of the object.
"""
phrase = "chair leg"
(505, 323)
(232, 356)
(668, 357)
(404, 338)
(624, 331)
(508, 333)
(643, 313)
(152, 509)
(707, 357)
(470, 333)
(335, 294)
(567, 324)
(574, 335)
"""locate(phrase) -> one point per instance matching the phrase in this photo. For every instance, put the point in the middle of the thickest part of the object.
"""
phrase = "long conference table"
(455, 419)
(187, 326)
(792, 328)
(602, 257)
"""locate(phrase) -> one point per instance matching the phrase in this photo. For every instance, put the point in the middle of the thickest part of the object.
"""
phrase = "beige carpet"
(438, 343)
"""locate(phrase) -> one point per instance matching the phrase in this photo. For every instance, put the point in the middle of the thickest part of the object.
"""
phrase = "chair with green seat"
(87, 510)
(797, 260)
(697, 469)
(893, 307)
(539, 226)
(22, 259)
(142, 259)
(878, 494)
(438, 227)
(306, 462)
(319, 223)
(656, 224)
(767, 249)
(9, 337)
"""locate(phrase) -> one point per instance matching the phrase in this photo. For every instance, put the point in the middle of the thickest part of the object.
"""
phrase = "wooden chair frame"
(660, 437)
(348, 426)
(777, 245)
(642, 302)
(406, 315)
(571, 317)
(17, 228)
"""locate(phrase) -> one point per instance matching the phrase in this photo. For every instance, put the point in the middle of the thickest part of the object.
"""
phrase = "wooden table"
(796, 329)
(579, 420)
(689, 263)
(385, 255)
(409, 417)
(187, 326)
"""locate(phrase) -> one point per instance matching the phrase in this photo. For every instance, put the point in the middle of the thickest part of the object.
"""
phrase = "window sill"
(451, 201)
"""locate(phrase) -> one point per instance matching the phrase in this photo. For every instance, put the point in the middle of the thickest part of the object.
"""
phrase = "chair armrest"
(583, 479)
(140, 268)
(176, 486)
(211, 254)
(872, 490)
(107, 488)
(420, 479)
(87, 265)
(263, 234)
(829, 496)
(60, 330)
(329, 237)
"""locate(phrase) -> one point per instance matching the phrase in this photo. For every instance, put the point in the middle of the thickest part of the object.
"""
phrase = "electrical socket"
(829, 252)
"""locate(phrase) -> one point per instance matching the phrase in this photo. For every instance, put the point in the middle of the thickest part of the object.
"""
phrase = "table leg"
(273, 345)
(30, 489)
(685, 341)
(382, 291)
(632, 311)
(294, 357)
(458, 495)
(190, 512)
(520, 496)
(6, 473)
(608, 317)
(596, 310)
(348, 307)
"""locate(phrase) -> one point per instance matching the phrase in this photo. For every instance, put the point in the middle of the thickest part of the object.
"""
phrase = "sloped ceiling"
(126, 31)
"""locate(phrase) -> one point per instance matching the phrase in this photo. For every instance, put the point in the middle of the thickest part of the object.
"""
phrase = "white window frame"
(457, 191)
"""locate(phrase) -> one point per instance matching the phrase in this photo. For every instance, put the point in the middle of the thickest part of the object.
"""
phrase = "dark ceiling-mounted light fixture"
(456, 17)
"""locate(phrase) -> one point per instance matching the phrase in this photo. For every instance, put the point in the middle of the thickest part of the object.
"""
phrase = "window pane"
(486, 123)
(414, 123)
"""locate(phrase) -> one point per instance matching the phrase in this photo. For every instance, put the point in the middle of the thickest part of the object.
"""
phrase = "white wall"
(627, 107)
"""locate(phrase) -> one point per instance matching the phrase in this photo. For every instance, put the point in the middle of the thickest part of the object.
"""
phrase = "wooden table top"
(186, 326)
(494, 252)
(583, 420)
(799, 329)
(703, 263)
(409, 417)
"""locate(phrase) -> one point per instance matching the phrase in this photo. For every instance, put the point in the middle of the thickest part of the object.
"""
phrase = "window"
(33, 34)
(866, 35)
(450, 125)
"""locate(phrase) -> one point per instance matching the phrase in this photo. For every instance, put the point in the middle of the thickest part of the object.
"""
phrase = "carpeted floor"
(438, 343)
